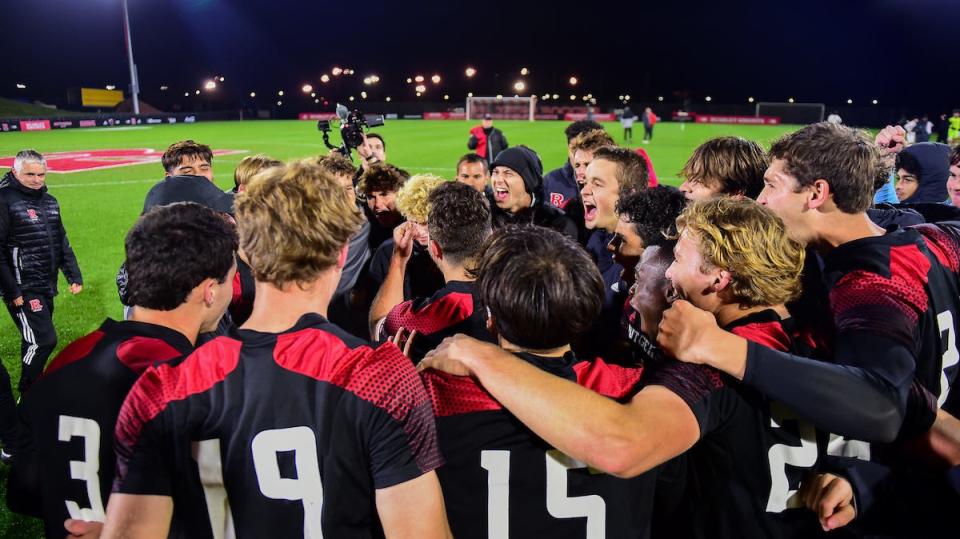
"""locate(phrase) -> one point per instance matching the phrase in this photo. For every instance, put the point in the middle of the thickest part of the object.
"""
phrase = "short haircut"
(379, 137)
(412, 198)
(27, 156)
(580, 126)
(293, 222)
(955, 156)
(171, 249)
(736, 163)
(632, 172)
(336, 165)
(846, 158)
(459, 220)
(250, 165)
(590, 141)
(653, 213)
(473, 158)
(749, 241)
(178, 151)
(381, 177)
(542, 288)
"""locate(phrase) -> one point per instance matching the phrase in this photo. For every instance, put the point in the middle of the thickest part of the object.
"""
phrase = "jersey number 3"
(86, 470)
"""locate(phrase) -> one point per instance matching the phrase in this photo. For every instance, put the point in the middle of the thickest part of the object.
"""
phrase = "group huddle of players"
(768, 363)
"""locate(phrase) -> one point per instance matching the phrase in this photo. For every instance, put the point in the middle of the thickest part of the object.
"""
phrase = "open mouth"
(589, 211)
(500, 195)
(673, 294)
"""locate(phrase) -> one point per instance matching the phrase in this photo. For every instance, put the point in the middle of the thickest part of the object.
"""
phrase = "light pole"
(134, 85)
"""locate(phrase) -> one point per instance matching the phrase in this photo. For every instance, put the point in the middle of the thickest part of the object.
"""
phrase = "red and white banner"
(598, 117)
(444, 116)
(34, 125)
(317, 115)
(746, 120)
(84, 160)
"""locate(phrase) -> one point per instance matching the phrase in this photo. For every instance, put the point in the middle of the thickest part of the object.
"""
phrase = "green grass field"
(99, 206)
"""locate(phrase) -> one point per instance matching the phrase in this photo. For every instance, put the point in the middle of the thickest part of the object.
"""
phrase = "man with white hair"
(33, 247)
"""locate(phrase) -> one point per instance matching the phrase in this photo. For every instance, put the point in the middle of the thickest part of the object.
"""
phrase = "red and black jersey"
(65, 460)
(904, 285)
(277, 435)
(745, 470)
(449, 311)
(502, 480)
(244, 290)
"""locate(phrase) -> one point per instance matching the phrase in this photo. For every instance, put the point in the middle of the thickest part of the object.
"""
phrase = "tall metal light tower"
(134, 84)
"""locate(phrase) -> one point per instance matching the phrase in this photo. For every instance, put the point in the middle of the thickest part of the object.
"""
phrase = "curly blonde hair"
(413, 197)
(750, 242)
(293, 221)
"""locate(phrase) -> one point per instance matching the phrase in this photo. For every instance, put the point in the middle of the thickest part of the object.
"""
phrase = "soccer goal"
(502, 108)
(793, 113)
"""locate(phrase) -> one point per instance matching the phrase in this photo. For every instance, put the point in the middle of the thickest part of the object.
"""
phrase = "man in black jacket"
(33, 247)
(487, 140)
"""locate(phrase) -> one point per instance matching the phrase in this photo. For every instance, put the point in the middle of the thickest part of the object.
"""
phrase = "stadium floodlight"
(316, 100)
(409, 80)
(111, 87)
(367, 81)
(750, 99)
(659, 98)
(418, 78)
(470, 72)
(197, 92)
(420, 88)
(627, 97)
(708, 99)
(164, 88)
(446, 97)
(279, 103)
(524, 71)
(620, 97)
(186, 94)
(519, 86)
(253, 94)
(363, 95)
(313, 94)
(546, 97)
(435, 79)
(849, 101)
(388, 99)
(21, 86)
(573, 98)
(280, 93)
(556, 96)
(351, 98)
(210, 85)
(221, 79)
(791, 100)
(418, 94)
(336, 71)
(573, 81)
(324, 78)
(875, 101)
(469, 94)
(306, 88)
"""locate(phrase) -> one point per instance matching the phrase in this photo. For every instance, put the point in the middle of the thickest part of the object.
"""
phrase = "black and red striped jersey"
(744, 472)
(244, 291)
(277, 434)
(502, 480)
(449, 311)
(904, 285)
(65, 459)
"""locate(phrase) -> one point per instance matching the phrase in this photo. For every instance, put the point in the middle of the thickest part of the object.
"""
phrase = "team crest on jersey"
(556, 200)
(35, 305)
(32, 214)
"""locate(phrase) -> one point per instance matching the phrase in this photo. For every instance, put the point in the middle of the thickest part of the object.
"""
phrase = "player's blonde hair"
(750, 242)
(413, 197)
(250, 165)
(293, 221)
(589, 141)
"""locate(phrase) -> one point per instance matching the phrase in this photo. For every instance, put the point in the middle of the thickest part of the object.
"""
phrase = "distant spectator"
(33, 249)
(953, 127)
(248, 167)
(474, 171)
(487, 140)
(626, 120)
(188, 158)
(924, 129)
(560, 185)
(649, 120)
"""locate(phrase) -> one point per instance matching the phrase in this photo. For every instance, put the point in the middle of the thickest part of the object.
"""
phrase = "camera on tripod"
(352, 125)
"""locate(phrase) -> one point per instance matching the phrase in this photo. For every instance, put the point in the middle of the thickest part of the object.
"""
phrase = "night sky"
(902, 52)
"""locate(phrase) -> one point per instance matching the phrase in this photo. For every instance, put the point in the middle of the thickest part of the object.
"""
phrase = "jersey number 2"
(88, 469)
(559, 505)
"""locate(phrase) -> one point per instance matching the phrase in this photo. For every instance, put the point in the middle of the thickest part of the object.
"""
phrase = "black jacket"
(539, 214)
(496, 143)
(33, 242)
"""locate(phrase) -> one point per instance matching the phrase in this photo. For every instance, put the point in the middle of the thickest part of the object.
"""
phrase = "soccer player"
(560, 185)
(724, 166)
(501, 479)
(922, 172)
(188, 158)
(646, 217)
(457, 225)
(248, 167)
(746, 453)
(288, 427)
(378, 186)
(892, 293)
(180, 262)
(474, 171)
(953, 181)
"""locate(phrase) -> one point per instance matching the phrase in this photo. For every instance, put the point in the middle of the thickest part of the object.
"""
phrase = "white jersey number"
(88, 469)
(307, 487)
(779, 456)
(950, 357)
(559, 504)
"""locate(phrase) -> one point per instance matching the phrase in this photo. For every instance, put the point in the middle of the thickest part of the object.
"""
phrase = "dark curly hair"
(171, 249)
(177, 151)
(653, 213)
(382, 177)
(542, 289)
(459, 220)
(580, 126)
(955, 156)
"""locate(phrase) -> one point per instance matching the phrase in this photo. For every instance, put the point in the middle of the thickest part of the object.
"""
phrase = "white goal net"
(502, 108)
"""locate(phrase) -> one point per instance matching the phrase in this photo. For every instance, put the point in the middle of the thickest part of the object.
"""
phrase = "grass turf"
(99, 207)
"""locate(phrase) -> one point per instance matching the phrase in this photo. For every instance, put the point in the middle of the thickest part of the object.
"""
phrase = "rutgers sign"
(84, 160)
